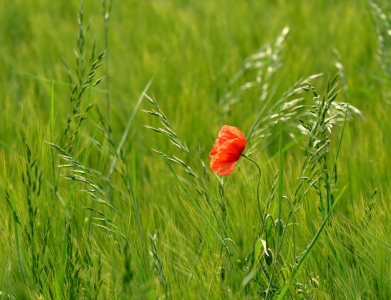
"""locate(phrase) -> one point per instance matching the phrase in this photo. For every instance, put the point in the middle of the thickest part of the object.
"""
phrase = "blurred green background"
(195, 47)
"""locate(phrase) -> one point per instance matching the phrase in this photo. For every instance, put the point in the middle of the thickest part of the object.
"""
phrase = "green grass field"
(109, 112)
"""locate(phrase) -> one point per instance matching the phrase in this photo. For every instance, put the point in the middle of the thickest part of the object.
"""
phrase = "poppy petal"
(223, 169)
(215, 148)
(229, 133)
(226, 150)
(230, 151)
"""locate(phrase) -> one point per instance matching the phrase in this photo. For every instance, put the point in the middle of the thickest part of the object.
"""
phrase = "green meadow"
(109, 112)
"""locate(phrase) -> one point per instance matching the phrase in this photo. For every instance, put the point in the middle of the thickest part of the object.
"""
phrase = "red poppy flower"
(227, 150)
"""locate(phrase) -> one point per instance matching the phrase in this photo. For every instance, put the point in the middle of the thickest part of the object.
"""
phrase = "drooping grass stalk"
(175, 140)
(76, 178)
(74, 184)
(69, 272)
(221, 234)
(265, 61)
(196, 205)
(284, 109)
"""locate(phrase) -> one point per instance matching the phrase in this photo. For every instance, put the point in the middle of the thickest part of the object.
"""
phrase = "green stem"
(106, 15)
(18, 248)
(259, 182)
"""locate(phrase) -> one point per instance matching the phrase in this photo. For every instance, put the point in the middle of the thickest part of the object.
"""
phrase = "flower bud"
(269, 257)
(222, 273)
(279, 226)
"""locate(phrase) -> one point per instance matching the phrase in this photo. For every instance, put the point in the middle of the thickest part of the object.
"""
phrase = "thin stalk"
(64, 260)
(55, 176)
(259, 182)
(18, 248)
(278, 243)
(256, 123)
(106, 16)
(52, 115)
(56, 81)
(136, 210)
(135, 110)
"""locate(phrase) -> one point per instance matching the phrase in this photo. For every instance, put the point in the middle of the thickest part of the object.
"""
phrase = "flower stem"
(259, 181)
